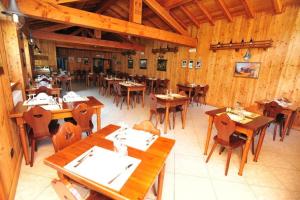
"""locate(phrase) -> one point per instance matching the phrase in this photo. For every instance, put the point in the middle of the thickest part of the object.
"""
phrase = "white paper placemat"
(74, 99)
(36, 102)
(51, 107)
(102, 166)
(134, 138)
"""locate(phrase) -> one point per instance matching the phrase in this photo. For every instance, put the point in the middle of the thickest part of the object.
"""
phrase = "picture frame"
(130, 64)
(247, 69)
(198, 64)
(184, 63)
(71, 58)
(191, 63)
(143, 63)
(79, 60)
(85, 61)
(162, 65)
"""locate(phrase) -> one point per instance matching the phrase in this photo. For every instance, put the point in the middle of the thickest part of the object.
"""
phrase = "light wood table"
(290, 111)
(111, 81)
(249, 129)
(168, 103)
(65, 112)
(133, 87)
(54, 90)
(137, 186)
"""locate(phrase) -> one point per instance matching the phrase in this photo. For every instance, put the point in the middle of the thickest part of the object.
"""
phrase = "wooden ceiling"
(168, 15)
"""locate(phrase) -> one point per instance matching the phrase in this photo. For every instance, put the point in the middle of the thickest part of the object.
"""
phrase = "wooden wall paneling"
(279, 72)
(47, 48)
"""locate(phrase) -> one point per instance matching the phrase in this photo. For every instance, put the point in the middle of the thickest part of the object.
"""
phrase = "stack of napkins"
(104, 167)
(133, 138)
(73, 97)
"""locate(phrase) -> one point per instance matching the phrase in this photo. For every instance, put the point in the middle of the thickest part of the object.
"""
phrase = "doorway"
(99, 64)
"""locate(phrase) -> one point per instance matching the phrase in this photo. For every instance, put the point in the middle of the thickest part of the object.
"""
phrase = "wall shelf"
(264, 44)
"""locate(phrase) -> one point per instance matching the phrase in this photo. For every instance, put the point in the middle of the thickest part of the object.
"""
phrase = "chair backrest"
(153, 102)
(43, 89)
(38, 119)
(148, 127)
(67, 134)
(225, 127)
(182, 92)
(117, 88)
(83, 115)
(272, 109)
(205, 89)
(198, 90)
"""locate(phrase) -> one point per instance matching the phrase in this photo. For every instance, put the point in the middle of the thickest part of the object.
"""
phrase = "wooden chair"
(274, 110)
(48, 91)
(200, 92)
(225, 137)
(157, 84)
(39, 120)
(82, 115)
(155, 110)
(148, 127)
(177, 109)
(67, 190)
(66, 135)
(119, 93)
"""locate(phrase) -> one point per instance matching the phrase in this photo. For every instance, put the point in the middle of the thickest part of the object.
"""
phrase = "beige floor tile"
(265, 193)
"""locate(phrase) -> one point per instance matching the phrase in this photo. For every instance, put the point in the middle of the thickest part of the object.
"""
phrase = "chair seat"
(235, 141)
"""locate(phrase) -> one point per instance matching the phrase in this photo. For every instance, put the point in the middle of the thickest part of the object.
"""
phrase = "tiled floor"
(275, 176)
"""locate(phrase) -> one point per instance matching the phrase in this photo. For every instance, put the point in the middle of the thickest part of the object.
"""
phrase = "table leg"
(286, 125)
(24, 143)
(190, 94)
(294, 114)
(245, 153)
(208, 134)
(128, 98)
(143, 100)
(166, 119)
(260, 142)
(160, 183)
(98, 113)
(185, 105)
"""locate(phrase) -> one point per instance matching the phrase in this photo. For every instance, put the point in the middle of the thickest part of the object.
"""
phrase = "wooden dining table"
(173, 102)
(111, 81)
(189, 88)
(55, 90)
(64, 112)
(249, 129)
(152, 165)
(290, 111)
(134, 87)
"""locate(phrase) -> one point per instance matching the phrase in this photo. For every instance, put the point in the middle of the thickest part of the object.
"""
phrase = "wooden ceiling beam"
(190, 16)
(106, 4)
(85, 41)
(248, 8)
(85, 47)
(225, 10)
(205, 12)
(277, 5)
(65, 1)
(55, 27)
(170, 4)
(165, 15)
(135, 11)
(70, 16)
(178, 20)
(76, 32)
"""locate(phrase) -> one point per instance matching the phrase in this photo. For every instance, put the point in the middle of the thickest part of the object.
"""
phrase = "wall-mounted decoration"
(130, 64)
(191, 63)
(85, 61)
(165, 50)
(71, 59)
(247, 69)
(79, 60)
(198, 64)
(143, 63)
(264, 44)
(161, 65)
(183, 63)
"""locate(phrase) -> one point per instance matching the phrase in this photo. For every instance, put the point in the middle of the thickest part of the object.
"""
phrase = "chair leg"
(275, 131)
(32, 152)
(252, 145)
(156, 122)
(281, 127)
(228, 161)
(211, 151)
(221, 150)
(174, 116)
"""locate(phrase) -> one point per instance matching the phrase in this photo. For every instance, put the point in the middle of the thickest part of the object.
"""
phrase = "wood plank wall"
(10, 164)
(73, 64)
(280, 65)
(47, 48)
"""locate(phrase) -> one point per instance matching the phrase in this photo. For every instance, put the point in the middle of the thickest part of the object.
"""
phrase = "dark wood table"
(290, 111)
(137, 186)
(65, 112)
(111, 81)
(167, 103)
(134, 88)
(248, 129)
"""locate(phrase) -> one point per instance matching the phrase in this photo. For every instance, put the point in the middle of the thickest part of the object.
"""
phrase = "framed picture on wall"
(198, 64)
(191, 63)
(247, 69)
(161, 65)
(183, 63)
(79, 60)
(130, 64)
(143, 63)
(71, 58)
(85, 61)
